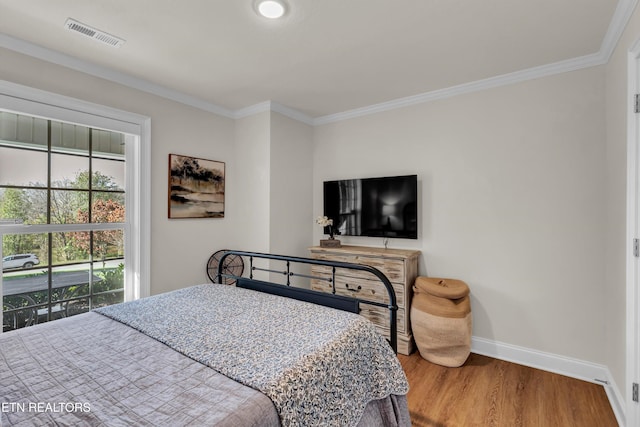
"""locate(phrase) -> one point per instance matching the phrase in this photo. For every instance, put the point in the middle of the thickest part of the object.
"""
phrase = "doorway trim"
(632, 412)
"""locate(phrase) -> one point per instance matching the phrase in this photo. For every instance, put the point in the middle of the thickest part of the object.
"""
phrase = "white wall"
(617, 109)
(253, 176)
(512, 195)
(291, 225)
(180, 248)
(268, 168)
(291, 187)
(274, 159)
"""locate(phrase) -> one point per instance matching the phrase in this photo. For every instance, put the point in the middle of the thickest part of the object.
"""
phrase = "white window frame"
(22, 99)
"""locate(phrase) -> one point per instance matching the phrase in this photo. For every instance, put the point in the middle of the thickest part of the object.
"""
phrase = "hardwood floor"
(490, 392)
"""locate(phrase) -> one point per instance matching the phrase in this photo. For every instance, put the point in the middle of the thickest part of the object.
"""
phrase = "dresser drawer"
(365, 285)
(399, 265)
(392, 268)
(380, 317)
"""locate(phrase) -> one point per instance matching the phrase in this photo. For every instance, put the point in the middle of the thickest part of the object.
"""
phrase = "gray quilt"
(119, 377)
(91, 370)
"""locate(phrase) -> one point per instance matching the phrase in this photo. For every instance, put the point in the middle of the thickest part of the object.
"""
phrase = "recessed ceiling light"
(272, 9)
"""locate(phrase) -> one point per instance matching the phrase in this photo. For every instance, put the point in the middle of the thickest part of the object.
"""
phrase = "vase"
(331, 242)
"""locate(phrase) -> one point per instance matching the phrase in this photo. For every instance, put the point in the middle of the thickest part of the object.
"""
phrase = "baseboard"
(617, 400)
(574, 368)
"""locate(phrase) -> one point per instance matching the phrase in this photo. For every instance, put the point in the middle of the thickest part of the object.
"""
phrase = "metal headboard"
(331, 300)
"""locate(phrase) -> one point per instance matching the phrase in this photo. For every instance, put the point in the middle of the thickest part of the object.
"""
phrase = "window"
(71, 210)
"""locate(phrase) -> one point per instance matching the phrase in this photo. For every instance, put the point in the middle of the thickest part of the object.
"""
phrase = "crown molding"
(273, 107)
(292, 113)
(86, 67)
(621, 16)
(476, 86)
(252, 110)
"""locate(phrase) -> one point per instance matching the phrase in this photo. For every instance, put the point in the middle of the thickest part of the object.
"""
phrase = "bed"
(254, 354)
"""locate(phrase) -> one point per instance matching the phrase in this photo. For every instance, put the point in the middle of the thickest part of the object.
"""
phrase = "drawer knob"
(352, 289)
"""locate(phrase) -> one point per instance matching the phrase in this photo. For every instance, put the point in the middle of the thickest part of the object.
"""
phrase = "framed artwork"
(196, 187)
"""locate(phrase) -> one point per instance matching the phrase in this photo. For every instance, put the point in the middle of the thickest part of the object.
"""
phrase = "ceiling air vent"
(93, 33)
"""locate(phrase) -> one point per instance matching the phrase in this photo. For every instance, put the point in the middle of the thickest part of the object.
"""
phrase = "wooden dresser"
(399, 265)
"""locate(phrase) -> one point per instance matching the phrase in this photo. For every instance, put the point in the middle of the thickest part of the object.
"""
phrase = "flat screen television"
(373, 207)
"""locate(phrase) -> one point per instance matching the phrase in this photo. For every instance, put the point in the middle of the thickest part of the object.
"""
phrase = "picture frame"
(196, 187)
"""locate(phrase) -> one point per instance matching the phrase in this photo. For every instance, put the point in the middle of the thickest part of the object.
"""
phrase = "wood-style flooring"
(490, 392)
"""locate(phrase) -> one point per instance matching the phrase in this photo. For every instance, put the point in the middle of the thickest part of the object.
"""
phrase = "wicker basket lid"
(441, 307)
(443, 288)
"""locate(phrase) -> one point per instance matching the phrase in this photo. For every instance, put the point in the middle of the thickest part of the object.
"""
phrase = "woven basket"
(441, 320)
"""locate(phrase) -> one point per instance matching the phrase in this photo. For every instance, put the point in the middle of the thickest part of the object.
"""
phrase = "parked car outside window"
(19, 261)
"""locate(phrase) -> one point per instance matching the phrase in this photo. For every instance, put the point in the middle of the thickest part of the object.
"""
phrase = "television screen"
(374, 207)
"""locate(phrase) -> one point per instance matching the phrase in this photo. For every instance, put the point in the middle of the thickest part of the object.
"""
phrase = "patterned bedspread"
(318, 365)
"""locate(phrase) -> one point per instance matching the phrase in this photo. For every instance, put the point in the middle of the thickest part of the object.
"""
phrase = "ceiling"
(325, 57)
